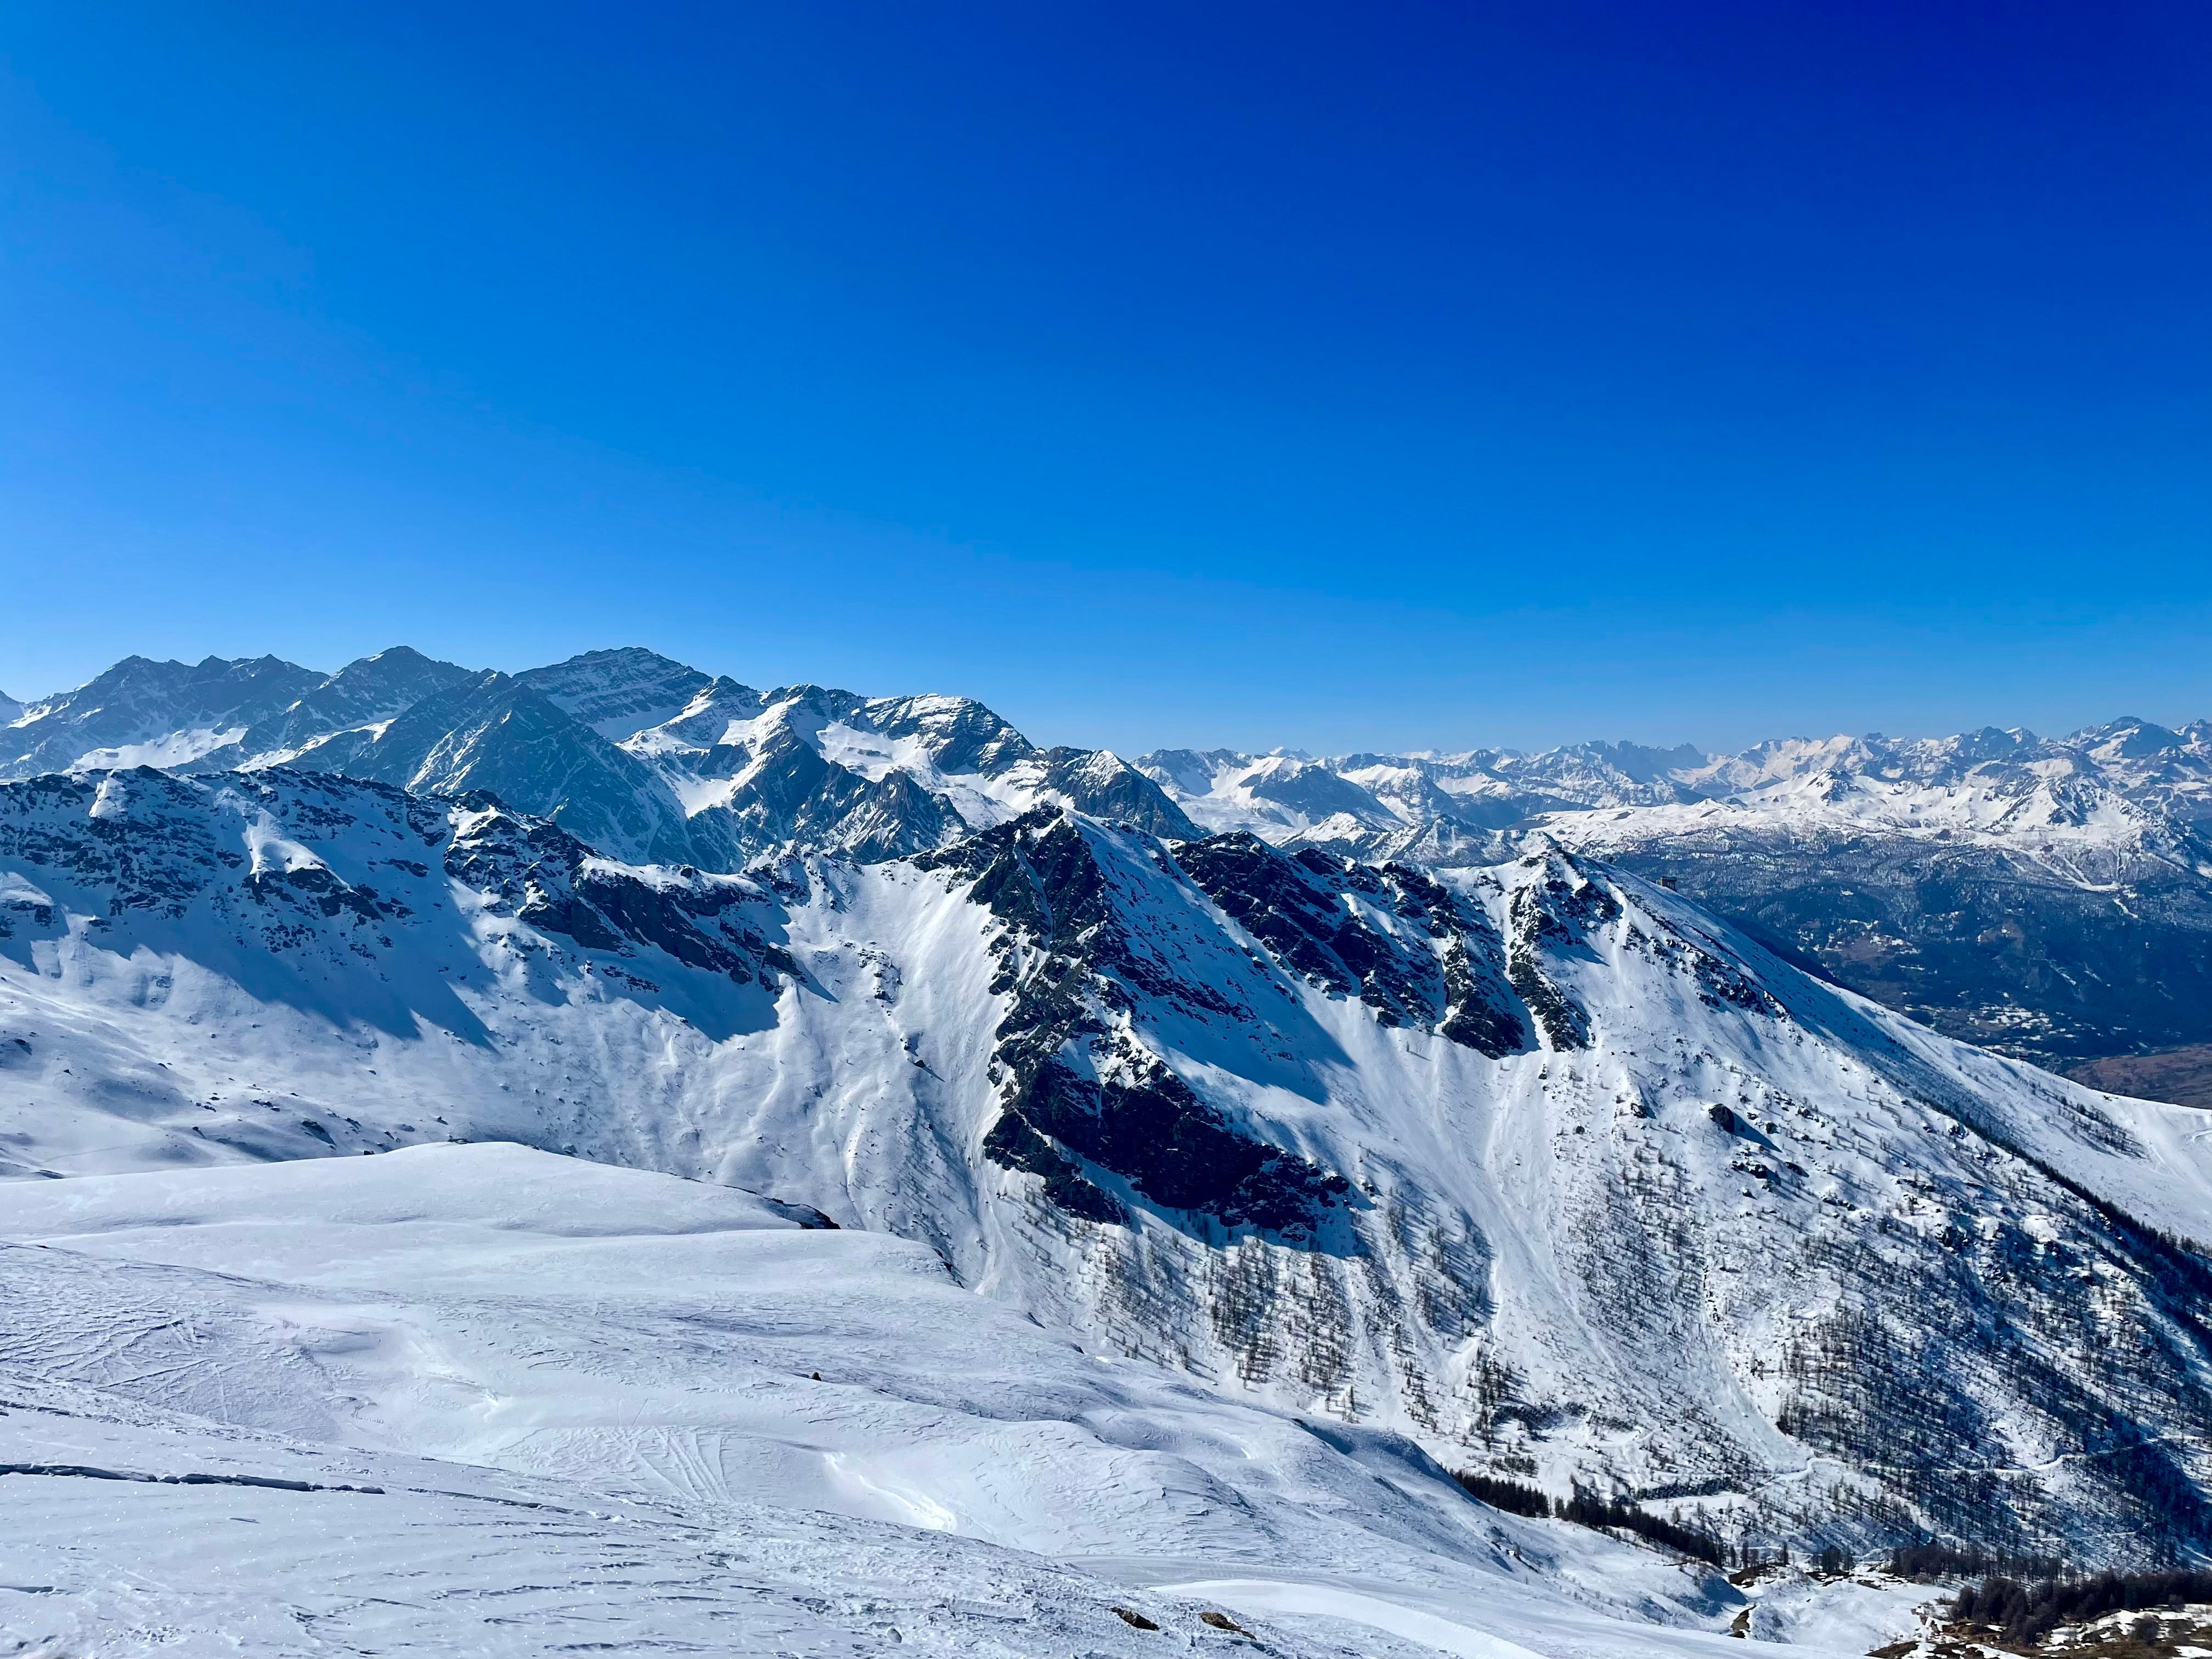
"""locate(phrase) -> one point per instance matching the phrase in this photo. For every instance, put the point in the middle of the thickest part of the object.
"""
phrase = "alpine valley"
(848, 1177)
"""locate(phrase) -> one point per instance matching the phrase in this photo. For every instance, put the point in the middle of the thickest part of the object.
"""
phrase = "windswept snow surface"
(484, 1398)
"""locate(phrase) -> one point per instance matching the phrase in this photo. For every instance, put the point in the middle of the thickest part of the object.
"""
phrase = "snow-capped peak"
(618, 693)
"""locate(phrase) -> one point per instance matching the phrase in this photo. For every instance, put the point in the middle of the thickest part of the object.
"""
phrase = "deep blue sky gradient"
(1354, 377)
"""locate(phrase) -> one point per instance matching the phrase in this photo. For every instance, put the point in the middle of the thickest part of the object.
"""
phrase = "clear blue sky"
(1343, 377)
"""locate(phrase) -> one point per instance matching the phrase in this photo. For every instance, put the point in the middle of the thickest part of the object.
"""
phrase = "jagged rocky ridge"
(1535, 1161)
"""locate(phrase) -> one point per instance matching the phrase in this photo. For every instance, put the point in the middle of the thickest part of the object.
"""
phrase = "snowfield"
(490, 1399)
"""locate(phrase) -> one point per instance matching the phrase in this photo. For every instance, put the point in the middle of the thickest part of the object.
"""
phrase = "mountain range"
(1536, 1164)
(2049, 898)
(640, 755)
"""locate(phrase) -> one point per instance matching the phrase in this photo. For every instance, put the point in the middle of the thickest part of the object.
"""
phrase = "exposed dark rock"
(1142, 1121)
(1014, 1144)
(556, 882)
(1067, 957)
(1298, 905)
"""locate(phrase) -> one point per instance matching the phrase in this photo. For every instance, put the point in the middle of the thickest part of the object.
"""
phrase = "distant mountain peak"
(618, 693)
(141, 712)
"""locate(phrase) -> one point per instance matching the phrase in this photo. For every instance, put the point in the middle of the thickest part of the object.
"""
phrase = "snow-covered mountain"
(142, 713)
(493, 734)
(2052, 897)
(875, 777)
(640, 755)
(353, 703)
(1537, 1164)
(2127, 783)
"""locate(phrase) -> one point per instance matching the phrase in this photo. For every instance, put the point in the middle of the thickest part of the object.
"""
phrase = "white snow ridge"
(1014, 1222)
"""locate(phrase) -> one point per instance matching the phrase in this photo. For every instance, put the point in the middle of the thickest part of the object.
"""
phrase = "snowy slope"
(674, 1377)
(211, 1542)
(1536, 1165)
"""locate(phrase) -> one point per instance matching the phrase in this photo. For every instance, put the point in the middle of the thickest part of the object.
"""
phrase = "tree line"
(2024, 1612)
